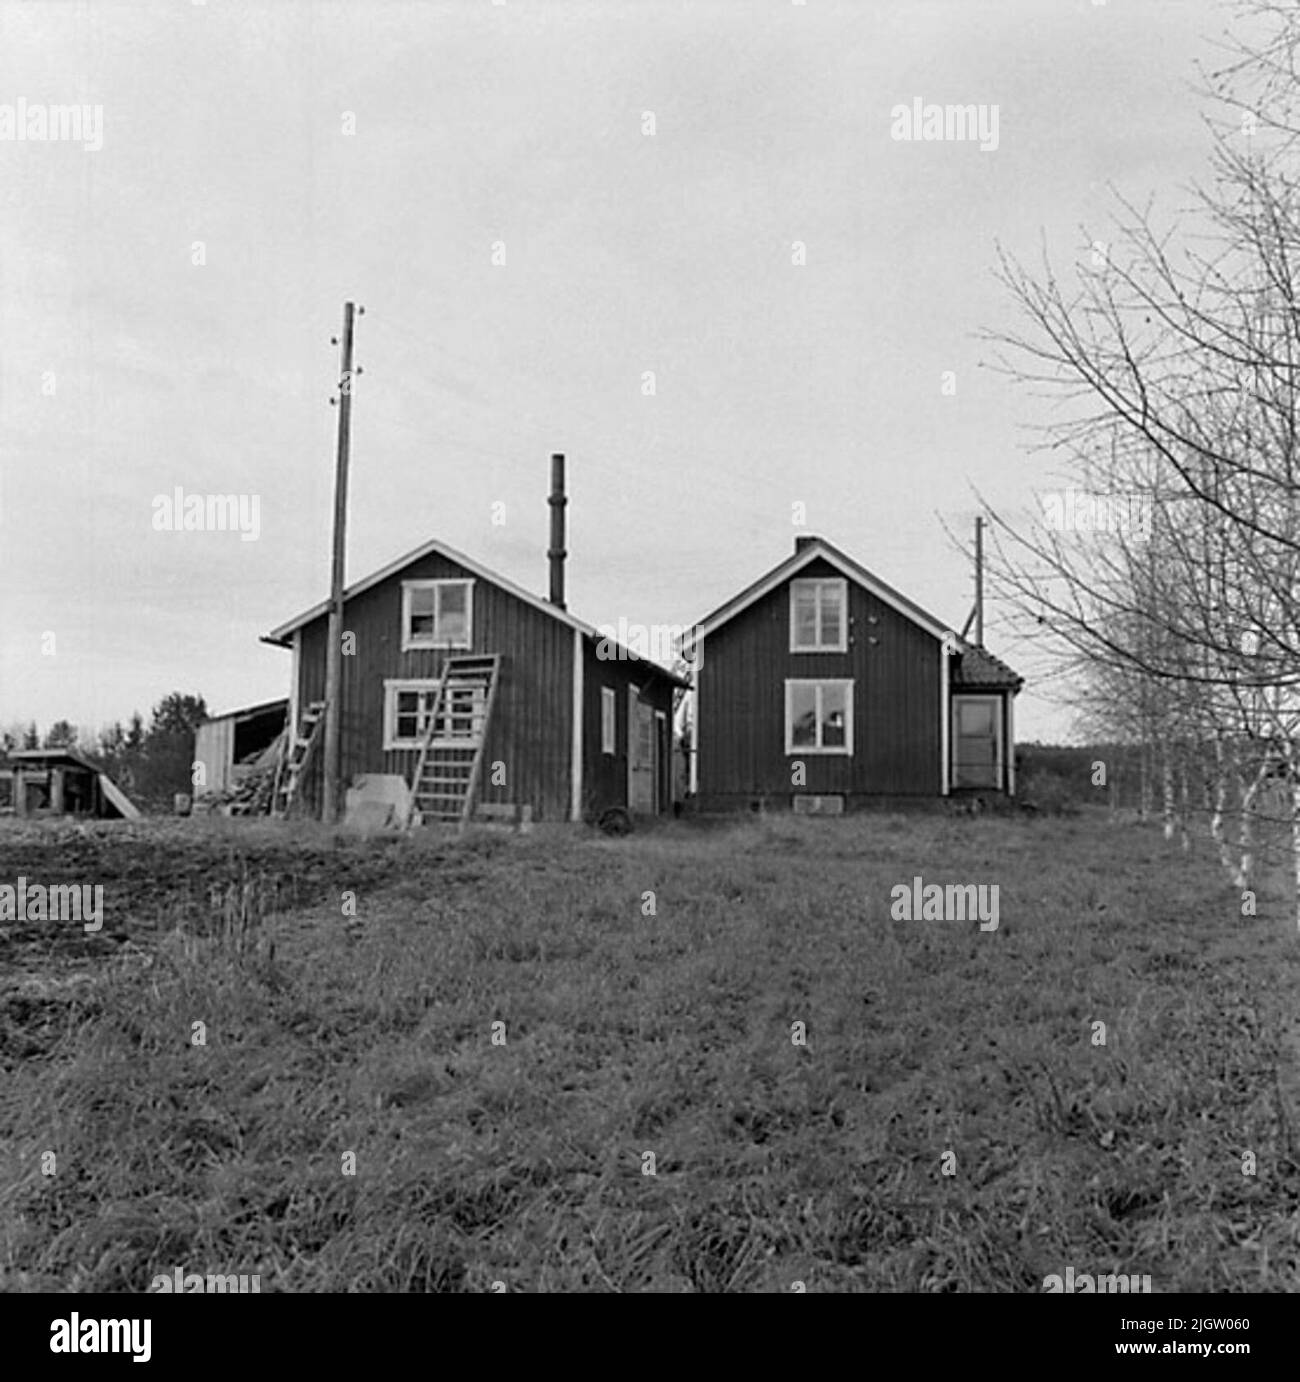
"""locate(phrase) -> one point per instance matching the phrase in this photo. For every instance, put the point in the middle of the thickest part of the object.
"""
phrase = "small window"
(437, 614)
(819, 717)
(819, 616)
(407, 705)
(608, 719)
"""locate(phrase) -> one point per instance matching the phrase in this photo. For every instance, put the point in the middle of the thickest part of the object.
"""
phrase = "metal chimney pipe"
(557, 554)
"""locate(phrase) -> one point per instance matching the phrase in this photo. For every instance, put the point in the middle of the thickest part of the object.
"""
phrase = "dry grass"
(627, 1034)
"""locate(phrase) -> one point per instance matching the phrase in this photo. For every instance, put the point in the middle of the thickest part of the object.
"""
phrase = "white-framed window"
(408, 705)
(819, 716)
(819, 615)
(437, 614)
(608, 719)
(406, 712)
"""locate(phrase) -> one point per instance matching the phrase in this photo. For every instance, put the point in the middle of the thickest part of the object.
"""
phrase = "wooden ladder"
(293, 764)
(447, 771)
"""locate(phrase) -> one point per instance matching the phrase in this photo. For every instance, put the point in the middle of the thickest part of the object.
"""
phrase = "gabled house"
(458, 682)
(821, 681)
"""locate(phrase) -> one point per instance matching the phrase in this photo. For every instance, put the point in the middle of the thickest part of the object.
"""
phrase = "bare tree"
(1175, 354)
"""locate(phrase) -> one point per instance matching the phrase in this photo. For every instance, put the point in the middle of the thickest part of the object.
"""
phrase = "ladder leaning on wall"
(294, 762)
(450, 763)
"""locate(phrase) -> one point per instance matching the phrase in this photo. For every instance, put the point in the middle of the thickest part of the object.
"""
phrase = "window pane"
(453, 614)
(976, 717)
(805, 615)
(427, 699)
(830, 615)
(421, 612)
(803, 716)
(406, 726)
(834, 717)
(462, 707)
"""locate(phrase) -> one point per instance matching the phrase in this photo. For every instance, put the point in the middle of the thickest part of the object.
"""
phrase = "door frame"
(999, 739)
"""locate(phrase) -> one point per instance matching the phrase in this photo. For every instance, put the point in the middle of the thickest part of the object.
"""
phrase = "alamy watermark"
(662, 643)
(950, 124)
(1079, 511)
(211, 513)
(75, 1335)
(1083, 1284)
(53, 902)
(956, 902)
(30, 122)
(178, 1282)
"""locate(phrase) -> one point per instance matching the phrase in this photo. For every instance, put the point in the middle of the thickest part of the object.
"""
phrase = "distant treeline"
(1061, 773)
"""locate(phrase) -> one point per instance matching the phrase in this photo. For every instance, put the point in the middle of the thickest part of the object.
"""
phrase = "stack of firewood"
(250, 796)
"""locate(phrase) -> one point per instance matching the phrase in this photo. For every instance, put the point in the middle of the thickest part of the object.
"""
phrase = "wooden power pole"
(979, 582)
(333, 788)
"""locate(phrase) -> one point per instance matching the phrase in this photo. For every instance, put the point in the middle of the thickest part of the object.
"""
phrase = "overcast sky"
(167, 300)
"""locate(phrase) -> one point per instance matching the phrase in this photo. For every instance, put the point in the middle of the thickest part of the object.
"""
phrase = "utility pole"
(979, 582)
(333, 793)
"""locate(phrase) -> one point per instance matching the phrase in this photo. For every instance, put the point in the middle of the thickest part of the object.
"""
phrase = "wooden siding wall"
(531, 720)
(896, 744)
(604, 781)
(214, 748)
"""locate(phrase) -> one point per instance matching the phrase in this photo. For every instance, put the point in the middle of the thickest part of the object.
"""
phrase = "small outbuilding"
(228, 747)
(61, 782)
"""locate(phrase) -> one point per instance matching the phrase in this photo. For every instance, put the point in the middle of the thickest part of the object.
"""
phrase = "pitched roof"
(978, 667)
(975, 666)
(433, 547)
(815, 549)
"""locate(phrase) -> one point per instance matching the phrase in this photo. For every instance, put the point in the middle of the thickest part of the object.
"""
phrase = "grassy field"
(628, 1033)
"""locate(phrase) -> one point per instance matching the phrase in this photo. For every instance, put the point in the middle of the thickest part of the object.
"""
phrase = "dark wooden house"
(565, 722)
(819, 686)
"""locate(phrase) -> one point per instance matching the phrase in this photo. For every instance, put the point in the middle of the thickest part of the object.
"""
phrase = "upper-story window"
(437, 614)
(819, 616)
